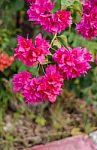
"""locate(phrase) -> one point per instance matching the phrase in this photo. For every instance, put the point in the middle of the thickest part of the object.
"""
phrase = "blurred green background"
(55, 118)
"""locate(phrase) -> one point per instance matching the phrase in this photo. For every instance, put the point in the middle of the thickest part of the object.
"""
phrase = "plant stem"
(43, 69)
(53, 49)
(53, 39)
(60, 4)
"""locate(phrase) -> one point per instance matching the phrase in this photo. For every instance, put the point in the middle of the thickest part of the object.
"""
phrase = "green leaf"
(63, 39)
(34, 70)
(77, 6)
(57, 43)
(57, 125)
(22, 67)
(77, 11)
(16, 5)
(40, 120)
(57, 6)
(66, 3)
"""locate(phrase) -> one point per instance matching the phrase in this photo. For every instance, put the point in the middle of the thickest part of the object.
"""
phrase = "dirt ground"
(26, 126)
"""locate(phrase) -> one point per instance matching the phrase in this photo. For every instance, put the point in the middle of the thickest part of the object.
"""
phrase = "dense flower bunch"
(87, 27)
(57, 22)
(65, 63)
(73, 62)
(20, 80)
(5, 61)
(40, 12)
(54, 82)
(40, 88)
(31, 53)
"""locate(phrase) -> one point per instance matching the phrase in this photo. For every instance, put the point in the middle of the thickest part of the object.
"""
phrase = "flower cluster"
(54, 82)
(40, 12)
(73, 62)
(40, 88)
(20, 79)
(57, 22)
(70, 64)
(5, 61)
(38, 9)
(33, 90)
(31, 53)
(87, 27)
(67, 62)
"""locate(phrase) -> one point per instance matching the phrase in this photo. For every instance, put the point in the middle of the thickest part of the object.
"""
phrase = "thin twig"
(53, 39)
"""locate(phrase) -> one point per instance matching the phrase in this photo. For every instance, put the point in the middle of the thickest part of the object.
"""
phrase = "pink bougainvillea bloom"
(20, 79)
(73, 62)
(41, 43)
(54, 82)
(87, 27)
(93, 2)
(86, 7)
(39, 8)
(34, 90)
(40, 12)
(24, 50)
(57, 22)
(30, 53)
(46, 87)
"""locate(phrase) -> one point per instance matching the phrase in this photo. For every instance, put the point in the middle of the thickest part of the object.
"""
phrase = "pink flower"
(93, 2)
(24, 50)
(39, 8)
(57, 22)
(30, 53)
(46, 87)
(86, 6)
(54, 82)
(87, 27)
(40, 12)
(41, 43)
(34, 90)
(20, 79)
(73, 62)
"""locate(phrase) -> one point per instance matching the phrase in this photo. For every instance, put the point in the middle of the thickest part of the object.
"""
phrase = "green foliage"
(40, 120)
(84, 87)
(8, 10)
(66, 3)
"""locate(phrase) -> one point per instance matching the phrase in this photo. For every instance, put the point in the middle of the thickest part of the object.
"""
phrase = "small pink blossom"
(54, 83)
(73, 62)
(39, 8)
(40, 12)
(57, 22)
(34, 90)
(46, 87)
(87, 27)
(24, 50)
(41, 43)
(20, 79)
(30, 53)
